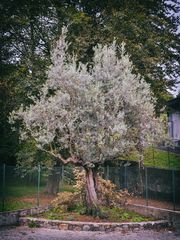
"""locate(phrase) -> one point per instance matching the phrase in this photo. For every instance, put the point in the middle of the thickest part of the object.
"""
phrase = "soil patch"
(44, 199)
(153, 203)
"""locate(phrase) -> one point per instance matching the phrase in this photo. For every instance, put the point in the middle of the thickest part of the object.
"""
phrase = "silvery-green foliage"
(96, 114)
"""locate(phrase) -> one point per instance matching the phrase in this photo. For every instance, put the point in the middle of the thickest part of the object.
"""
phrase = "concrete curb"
(90, 226)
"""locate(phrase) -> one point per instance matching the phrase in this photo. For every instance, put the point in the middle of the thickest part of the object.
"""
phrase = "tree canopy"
(94, 114)
(89, 112)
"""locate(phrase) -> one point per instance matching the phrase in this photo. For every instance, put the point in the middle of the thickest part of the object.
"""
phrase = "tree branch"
(73, 159)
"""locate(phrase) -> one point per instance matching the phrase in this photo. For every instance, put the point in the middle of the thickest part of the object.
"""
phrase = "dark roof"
(174, 104)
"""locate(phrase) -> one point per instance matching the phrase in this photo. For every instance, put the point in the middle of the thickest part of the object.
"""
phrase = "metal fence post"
(59, 176)
(125, 176)
(153, 155)
(62, 177)
(38, 184)
(4, 185)
(107, 172)
(173, 188)
(146, 185)
(168, 158)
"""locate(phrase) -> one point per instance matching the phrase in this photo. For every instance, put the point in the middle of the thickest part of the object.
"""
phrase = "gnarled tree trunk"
(91, 191)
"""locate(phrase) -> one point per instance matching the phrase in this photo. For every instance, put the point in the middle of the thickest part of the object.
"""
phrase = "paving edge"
(91, 226)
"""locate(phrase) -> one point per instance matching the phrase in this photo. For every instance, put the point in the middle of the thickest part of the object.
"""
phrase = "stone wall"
(158, 213)
(89, 226)
(18, 217)
(12, 217)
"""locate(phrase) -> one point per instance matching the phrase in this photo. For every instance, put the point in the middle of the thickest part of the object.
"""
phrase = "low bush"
(108, 194)
(65, 200)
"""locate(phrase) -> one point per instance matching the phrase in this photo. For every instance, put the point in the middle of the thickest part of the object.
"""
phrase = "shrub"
(65, 200)
(108, 194)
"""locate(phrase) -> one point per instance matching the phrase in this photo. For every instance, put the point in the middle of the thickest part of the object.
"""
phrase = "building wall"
(174, 125)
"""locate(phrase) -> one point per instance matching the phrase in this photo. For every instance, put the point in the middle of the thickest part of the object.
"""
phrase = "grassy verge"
(19, 197)
(21, 191)
(15, 204)
(158, 158)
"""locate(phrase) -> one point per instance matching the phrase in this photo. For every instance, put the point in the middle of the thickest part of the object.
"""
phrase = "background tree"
(29, 157)
(28, 29)
(149, 29)
(93, 115)
(26, 33)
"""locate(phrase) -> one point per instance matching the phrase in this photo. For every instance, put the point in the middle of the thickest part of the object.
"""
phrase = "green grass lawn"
(162, 159)
(15, 194)
(18, 195)
(22, 191)
(12, 204)
(158, 158)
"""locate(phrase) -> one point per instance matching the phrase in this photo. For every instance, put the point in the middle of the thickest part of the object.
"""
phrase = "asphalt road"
(25, 233)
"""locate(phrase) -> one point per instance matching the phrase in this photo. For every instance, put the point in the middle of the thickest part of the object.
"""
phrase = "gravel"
(25, 233)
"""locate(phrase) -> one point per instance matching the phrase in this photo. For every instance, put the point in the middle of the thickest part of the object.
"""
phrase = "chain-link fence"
(37, 188)
(148, 186)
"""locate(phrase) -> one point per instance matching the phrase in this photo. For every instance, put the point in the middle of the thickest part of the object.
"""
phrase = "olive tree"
(94, 112)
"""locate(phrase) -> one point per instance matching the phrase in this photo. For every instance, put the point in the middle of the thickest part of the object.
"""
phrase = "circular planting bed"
(107, 214)
(111, 219)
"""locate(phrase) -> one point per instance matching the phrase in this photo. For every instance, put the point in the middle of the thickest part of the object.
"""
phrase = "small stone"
(77, 228)
(141, 228)
(109, 228)
(86, 228)
(125, 227)
(63, 226)
(95, 227)
(148, 226)
(70, 227)
(101, 228)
